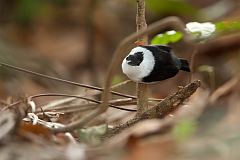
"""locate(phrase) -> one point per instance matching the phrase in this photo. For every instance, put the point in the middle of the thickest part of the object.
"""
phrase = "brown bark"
(142, 89)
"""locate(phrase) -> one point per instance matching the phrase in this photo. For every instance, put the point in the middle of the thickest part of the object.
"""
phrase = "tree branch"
(142, 89)
(167, 105)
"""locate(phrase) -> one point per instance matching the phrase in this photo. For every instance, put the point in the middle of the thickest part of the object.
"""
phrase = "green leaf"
(220, 26)
(117, 79)
(184, 129)
(199, 31)
(27, 10)
(227, 26)
(179, 7)
(206, 68)
(92, 135)
(175, 37)
(61, 2)
(168, 37)
(159, 39)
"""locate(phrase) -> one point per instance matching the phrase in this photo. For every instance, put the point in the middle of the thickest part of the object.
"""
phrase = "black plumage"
(136, 59)
(162, 59)
(167, 65)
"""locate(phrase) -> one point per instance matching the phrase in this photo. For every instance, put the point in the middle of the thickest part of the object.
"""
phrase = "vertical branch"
(140, 20)
(142, 89)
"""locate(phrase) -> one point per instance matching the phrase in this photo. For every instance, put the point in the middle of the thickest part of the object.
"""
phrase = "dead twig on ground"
(167, 105)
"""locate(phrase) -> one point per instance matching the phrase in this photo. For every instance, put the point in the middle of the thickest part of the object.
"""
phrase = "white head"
(138, 63)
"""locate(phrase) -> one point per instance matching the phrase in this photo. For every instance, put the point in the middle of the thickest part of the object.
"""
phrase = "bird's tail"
(184, 65)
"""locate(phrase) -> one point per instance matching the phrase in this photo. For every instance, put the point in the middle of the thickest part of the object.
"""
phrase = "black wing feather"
(163, 48)
(164, 67)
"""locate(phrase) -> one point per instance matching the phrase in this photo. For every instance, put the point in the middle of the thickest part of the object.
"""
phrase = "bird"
(152, 63)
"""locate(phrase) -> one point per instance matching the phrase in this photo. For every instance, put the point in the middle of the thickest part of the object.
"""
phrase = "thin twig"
(121, 84)
(68, 100)
(122, 102)
(11, 105)
(217, 46)
(66, 95)
(220, 45)
(62, 80)
(65, 110)
(225, 89)
(117, 102)
(84, 107)
(142, 89)
(76, 96)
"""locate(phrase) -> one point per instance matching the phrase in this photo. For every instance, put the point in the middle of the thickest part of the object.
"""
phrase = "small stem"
(76, 96)
(62, 80)
(119, 85)
(118, 102)
(142, 89)
(142, 101)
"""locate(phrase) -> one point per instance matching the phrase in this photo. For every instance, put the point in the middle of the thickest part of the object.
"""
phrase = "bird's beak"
(130, 62)
(128, 59)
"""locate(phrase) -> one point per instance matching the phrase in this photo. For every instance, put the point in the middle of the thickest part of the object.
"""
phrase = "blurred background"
(75, 40)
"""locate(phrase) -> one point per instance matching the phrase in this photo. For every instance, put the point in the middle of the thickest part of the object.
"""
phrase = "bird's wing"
(164, 48)
(158, 48)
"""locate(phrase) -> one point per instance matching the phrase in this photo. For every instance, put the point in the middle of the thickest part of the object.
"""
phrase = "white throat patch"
(137, 73)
